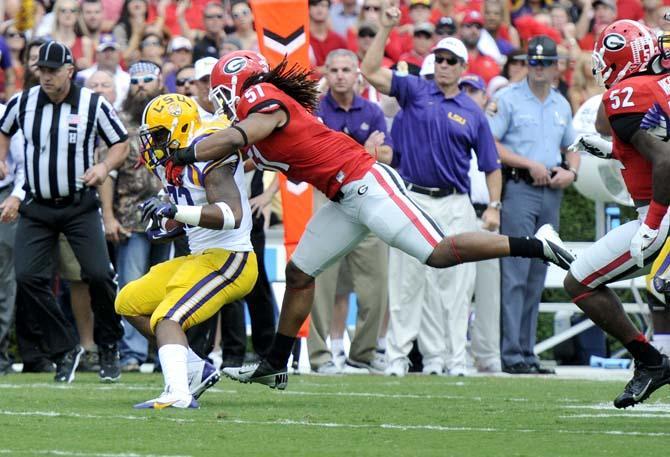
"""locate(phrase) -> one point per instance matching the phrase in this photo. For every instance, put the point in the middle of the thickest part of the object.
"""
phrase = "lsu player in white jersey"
(208, 201)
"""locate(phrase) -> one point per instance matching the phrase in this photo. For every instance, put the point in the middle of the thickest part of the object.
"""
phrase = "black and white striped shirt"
(60, 138)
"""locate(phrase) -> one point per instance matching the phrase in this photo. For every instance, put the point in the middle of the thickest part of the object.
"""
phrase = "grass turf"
(329, 416)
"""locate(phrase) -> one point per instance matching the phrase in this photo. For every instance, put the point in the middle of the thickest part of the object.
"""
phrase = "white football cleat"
(169, 400)
(553, 247)
(261, 373)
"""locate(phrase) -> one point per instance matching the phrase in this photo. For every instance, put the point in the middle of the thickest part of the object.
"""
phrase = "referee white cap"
(54, 54)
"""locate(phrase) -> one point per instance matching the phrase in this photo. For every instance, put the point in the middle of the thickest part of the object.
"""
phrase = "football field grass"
(332, 416)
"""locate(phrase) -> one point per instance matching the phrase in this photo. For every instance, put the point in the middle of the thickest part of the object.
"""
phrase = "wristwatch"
(496, 205)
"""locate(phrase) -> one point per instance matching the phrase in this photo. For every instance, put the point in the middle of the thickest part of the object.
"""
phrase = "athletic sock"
(173, 359)
(641, 350)
(381, 343)
(525, 247)
(193, 361)
(337, 346)
(280, 351)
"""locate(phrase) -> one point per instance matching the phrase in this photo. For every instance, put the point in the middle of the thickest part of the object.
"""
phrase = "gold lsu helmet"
(168, 122)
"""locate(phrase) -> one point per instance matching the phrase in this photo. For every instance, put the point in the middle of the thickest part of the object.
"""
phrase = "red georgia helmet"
(623, 48)
(228, 77)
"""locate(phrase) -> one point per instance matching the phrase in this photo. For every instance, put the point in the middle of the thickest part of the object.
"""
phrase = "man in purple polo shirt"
(433, 140)
(342, 109)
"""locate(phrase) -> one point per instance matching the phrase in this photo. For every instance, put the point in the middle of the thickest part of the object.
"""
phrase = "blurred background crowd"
(133, 50)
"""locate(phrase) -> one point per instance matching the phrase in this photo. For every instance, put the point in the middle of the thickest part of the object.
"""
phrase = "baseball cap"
(609, 3)
(540, 48)
(54, 54)
(413, 3)
(428, 66)
(424, 27)
(472, 80)
(107, 41)
(445, 26)
(203, 67)
(180, 42)
(473, 17)
(453, 45)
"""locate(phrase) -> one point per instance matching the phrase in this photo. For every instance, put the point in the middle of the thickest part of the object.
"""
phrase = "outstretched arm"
(371, 66)
(226, 142)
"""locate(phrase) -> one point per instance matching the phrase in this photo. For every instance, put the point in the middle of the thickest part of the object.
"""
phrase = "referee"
(60, 122)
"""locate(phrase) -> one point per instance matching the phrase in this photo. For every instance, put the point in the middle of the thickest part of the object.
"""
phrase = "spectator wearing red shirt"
(478, 63)
(422, 43)
(366, 32)
(321, 38)
(603, 12)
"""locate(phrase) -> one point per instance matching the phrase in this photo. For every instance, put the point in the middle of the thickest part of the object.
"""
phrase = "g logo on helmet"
(614, 42)
(234, 65)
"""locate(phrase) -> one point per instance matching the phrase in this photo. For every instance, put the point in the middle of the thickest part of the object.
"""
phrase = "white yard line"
(291, 422)
(83, 454)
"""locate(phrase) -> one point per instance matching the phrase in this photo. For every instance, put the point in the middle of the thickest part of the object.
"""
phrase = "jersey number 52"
(621, 98)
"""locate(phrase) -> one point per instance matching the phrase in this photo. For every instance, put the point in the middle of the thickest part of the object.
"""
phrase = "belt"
(432, 191)
(60, 202)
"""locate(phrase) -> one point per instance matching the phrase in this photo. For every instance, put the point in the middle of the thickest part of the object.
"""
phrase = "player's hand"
(561, 178)
(4, 169)
(657, 122)
(375, 139)
(259, 203)
(594, 144)
(539, 173)
(173, 173)
(10, 209)
(155, 208)
(641, 241)
(491, 219)
(157, 231)
(95, 175)
(390, 16)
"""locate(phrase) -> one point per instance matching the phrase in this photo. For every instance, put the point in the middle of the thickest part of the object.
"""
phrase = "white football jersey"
(192, 192)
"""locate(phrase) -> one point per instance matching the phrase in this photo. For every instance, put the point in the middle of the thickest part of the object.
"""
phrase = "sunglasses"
(69, 10)
(14, 35)
(183, 81)
(366, 34)
(213, 16)
(372, 8)
(151, 43)
(540, 63)
(450, 60)
(144, 79)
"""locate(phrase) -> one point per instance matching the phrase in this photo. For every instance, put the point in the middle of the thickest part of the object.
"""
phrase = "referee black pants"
(36, 238)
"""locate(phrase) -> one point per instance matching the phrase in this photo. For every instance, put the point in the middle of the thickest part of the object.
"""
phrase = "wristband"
(655, 214)
(228, 216)
(184, 156)
(188, 214)
(243, 133)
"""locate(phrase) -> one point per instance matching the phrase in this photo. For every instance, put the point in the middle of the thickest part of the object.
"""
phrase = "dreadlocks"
(294, 82)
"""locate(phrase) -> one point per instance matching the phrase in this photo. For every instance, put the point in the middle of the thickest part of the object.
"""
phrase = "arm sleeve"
(625, 125)
(404, 87)
(500, 121)
(485, 147)
(378, 122)
(9, 122)
(109, 126)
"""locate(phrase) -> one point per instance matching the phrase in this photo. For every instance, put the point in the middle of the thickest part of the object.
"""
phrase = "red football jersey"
(304, 149)
(635, 96)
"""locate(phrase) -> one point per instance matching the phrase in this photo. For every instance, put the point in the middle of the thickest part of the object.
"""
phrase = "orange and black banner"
(283, 31)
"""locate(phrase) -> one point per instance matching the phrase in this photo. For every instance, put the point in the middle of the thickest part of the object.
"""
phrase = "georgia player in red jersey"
(627, 61)
(273, 110)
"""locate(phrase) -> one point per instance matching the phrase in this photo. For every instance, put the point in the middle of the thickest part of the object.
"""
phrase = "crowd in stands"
(132, 50)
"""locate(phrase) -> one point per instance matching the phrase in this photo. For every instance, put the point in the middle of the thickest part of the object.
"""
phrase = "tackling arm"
(222, 144)
(658, 153)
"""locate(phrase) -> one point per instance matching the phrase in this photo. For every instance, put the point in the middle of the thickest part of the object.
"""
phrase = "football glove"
(155, 208)
(594, 144)
(641, 241)
(157, 232)
(173, 173)
(657, 122)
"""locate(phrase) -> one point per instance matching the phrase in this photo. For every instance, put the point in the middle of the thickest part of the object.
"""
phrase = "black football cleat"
(646, 380)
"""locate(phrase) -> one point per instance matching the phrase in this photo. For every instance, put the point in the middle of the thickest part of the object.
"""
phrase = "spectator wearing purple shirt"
(8, 84)
(433, 140)
(343, 110)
